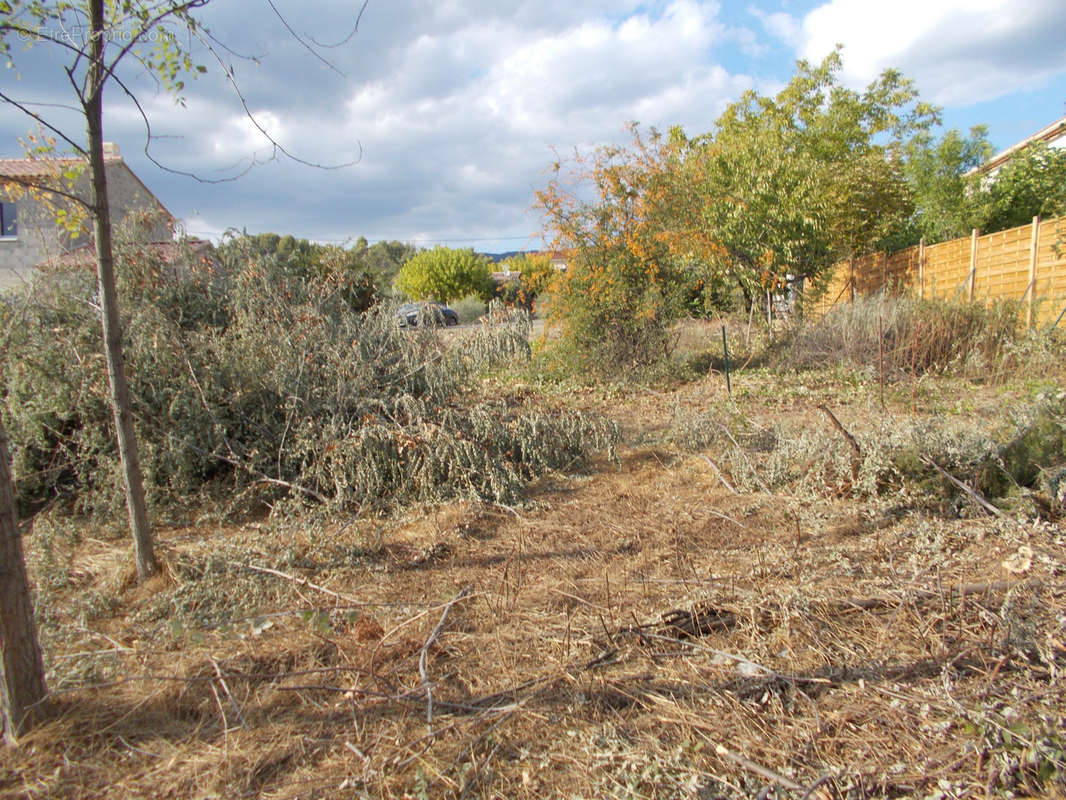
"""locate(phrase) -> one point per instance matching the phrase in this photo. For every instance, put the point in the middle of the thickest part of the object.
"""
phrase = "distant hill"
(498, 257)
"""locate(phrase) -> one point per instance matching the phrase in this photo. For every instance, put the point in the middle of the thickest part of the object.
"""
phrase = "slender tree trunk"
(143, 547)
(22, 686)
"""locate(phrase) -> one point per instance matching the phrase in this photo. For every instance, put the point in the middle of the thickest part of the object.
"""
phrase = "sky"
(436, 120)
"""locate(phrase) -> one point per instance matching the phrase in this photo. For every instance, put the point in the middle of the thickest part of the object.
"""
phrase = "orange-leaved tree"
(610, 212)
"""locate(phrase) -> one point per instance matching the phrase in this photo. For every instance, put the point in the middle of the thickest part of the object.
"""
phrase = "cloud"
(454, 109)
(958, 51)
(781, 26)
(456, 132)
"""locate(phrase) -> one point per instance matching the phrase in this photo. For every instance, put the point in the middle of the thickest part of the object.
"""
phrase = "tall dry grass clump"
(908, 335)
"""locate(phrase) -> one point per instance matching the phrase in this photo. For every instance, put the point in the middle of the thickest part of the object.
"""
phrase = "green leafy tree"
(945, 190)
(784, 186)
(791, 183)
(445, 274)
(1032, 183)
(384, 259)
(327, 269)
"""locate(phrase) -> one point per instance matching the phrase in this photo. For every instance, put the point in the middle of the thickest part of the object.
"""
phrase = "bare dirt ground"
(637, 631)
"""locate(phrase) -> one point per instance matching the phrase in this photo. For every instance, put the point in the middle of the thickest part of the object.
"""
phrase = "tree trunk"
(143, 547)
(22, 686)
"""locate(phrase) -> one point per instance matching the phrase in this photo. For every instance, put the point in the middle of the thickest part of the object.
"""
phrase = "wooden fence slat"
(1027, 264)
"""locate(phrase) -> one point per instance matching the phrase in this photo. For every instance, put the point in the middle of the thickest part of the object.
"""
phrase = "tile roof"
(38, 167)
(84, 256)
(1050, 133)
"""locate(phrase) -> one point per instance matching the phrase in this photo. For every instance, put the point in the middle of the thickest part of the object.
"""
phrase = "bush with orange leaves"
(623, 286)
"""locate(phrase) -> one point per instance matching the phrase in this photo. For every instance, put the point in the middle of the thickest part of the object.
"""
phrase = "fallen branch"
(951, 593)
(423, 656)
(225, 688)
(752, 665)
(844, 431)
(857, 452)
(718, 472)
(973, 494)
(758, 769)
(298, 581)
(754, 472)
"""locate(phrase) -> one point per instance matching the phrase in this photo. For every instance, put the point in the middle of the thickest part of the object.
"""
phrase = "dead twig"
(952, 592)
(298, 581)
(424, 655)
(973, 494)
(855, 449)
(758, 769)
(718, 473)
(477, 772)
(766, 671)
(754, 472)
(225, 688)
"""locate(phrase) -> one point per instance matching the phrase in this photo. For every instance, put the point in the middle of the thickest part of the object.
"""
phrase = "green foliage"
(952, 197)
(946, 197)
(327, 269)
(1032, 183)
(784, 186)
(469, 308)
(383, 260)
(894, 460)
(253, 384)
(445, 274)
(789, 184)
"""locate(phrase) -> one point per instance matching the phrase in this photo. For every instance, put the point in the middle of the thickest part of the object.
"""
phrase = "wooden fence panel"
(1003, 264)
(947, 267)
(1003, 270)
(902, 269)
(1051, 271)
(868, 275)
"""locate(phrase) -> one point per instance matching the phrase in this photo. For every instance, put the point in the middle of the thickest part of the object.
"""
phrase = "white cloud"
(959, 51)
(240, 135)
(780, 25)
(470, 140)
(458, 107)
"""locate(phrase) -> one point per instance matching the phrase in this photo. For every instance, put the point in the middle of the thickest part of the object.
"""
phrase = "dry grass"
(640, 632)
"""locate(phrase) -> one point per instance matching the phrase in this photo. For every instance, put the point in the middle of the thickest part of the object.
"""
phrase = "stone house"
(29, 234)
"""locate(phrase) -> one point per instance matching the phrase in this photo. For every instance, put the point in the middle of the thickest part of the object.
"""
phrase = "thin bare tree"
(113, 33)
(22, 685)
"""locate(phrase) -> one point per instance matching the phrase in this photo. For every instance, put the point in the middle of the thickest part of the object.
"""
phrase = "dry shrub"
(1025, 459)
(909, 335)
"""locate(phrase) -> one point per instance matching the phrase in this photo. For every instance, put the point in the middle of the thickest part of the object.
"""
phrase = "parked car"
(411, 315)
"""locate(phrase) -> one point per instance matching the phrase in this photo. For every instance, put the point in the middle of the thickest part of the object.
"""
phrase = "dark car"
(426, 313)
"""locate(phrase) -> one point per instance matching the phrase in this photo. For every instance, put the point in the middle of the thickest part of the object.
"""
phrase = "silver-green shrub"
(246, 378)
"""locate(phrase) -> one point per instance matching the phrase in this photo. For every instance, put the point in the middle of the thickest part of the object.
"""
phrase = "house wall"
(39, 239)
